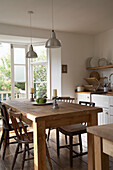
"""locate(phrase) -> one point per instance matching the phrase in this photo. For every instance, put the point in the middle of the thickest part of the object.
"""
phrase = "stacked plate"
(96, 61)
(102, 62)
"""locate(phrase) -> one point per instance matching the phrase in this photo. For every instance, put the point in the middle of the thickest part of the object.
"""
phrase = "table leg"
(39, 145)
(101, 159)
(93, 121)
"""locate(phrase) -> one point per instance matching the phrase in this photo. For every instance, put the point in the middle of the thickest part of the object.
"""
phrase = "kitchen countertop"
(104, 131)
(103, 145)
(98, 92)
(109, 94)
(84, 92)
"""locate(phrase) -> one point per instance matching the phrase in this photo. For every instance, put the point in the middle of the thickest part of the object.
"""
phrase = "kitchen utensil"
(95, 74)
(80, 88)
(93, 81)
(89, 87)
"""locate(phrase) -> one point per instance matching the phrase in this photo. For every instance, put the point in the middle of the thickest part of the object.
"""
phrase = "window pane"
(20, 90)
(40, 89)
(19, 73)
(19, 55)
(40, 80)
(41, 52)
(5, 71)
(40, 73)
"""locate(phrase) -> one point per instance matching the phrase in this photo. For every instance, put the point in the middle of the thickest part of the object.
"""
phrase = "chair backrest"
(66, 99)
(87, 103)
(5, 116)
(14, 116)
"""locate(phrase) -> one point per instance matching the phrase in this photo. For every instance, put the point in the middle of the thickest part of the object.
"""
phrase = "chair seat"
(11, 127)
(73, 129)
(25, 138)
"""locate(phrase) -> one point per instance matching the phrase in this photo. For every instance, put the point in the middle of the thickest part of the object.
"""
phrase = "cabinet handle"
(106, 113)
(111, 105)
(88, 97)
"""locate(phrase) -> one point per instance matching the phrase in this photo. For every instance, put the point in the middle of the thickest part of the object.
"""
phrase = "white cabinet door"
(100, 118)
(103, 102)
(106, 116)
(111, 118)
(111, 101)
(100, 100)
(111, 113)
(103, 118)
(82, 97)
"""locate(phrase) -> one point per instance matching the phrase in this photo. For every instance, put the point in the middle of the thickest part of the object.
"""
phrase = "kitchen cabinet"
(103, 101)
(82, 97)
(104, 117)
(111, 108)
(100, 100)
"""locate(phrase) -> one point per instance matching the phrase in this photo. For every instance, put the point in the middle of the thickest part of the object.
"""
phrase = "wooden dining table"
(43, 117)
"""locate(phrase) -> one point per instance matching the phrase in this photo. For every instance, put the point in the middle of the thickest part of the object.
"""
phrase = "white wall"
(103, 45)
(103, 48)
(76, 48)
(56, 70)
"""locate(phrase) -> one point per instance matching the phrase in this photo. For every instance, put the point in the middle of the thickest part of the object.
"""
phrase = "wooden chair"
(25, 138)
(66, 99)
(73, 130)
(7, 127)
(63, 99)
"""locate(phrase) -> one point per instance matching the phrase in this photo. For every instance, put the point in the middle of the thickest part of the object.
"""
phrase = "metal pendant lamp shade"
(31, 53)
(53, 42)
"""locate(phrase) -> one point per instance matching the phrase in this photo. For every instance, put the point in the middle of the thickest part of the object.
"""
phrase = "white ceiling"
(82, 16)
(22, 40)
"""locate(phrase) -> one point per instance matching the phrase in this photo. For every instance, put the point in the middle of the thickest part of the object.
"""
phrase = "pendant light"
(31, 53)
(52, 42)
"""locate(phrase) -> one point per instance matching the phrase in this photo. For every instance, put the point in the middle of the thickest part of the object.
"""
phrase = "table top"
(104, 131)
(47, 112)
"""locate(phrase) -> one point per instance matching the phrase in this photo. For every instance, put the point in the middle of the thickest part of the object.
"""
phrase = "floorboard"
(58, 163)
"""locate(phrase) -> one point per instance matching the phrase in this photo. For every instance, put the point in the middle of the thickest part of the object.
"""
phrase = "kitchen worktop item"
(80, 88)
(89, 87)
(95, 74)
(92, 81)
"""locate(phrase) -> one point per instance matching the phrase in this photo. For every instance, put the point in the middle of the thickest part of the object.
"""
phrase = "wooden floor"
(61, 163)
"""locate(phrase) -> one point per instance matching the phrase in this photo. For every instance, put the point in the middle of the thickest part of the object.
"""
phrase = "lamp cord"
(52, 16)
(30, 28)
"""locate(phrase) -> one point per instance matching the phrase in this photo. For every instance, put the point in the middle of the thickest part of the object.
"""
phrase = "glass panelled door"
(39, 68)
(5, 71)
(19, 71)
(40, 80)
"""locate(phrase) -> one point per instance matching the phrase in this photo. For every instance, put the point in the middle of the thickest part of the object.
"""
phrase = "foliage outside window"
(40, 74)
(5, 73)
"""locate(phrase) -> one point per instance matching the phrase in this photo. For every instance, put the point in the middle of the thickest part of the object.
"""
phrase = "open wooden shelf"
(100, 67)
